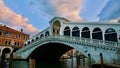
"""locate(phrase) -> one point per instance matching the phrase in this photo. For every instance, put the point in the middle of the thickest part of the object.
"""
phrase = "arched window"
(25, 44)
(67, 31)
(97, 34)
(85, 32)
(76, 32)
(28, 42)
(37, 38)
(110, 35)
(32, 40)
(47, 33)
(41, 35)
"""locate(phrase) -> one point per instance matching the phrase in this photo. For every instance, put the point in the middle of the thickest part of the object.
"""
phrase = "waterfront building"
(10, 37)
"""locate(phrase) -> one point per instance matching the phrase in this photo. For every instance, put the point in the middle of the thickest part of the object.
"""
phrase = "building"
(11, 37)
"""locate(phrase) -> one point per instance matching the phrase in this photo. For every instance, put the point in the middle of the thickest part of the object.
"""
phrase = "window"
(7, 42)
(0, 33)
(18, 36)
(67, 31)
(17, 44)
(10, 35)
(6, 33)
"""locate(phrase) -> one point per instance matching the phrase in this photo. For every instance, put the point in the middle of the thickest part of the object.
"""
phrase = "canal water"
(61, 64)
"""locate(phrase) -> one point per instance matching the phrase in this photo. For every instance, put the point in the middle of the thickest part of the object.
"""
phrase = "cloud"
(115, 20)
(110, 11)
(64, 8)
(9, 17)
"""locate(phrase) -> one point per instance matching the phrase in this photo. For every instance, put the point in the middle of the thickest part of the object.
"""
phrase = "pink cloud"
(13, 19)
(68, 8)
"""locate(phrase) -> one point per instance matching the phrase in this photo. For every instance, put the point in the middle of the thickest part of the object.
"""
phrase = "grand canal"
(67, 63)
(61, 64)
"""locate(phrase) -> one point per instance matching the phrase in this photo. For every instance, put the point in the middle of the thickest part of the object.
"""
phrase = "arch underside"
(50, 52)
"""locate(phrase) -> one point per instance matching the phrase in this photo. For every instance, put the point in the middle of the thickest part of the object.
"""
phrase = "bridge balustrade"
(71, 39)
(85, 40)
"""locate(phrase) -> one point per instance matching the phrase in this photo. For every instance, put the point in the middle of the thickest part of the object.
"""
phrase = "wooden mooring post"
(89, 61)
(3, 60)
(31, 63)
(101, 59)
(11, 60)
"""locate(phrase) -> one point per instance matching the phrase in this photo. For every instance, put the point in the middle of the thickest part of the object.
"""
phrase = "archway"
(47, 33)
(75, 32)
(56, 27)
(50, 51)
(111, 35)
(85, 32)
(41, 35)
(97, 34)
(67, 31)
(6, 50)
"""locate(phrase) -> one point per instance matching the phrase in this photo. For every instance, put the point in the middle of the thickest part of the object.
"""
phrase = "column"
(11, 57)
(101, 59)
(31, 63)
(3, 60)
(89, 61)
(83, 60)
(78, 59)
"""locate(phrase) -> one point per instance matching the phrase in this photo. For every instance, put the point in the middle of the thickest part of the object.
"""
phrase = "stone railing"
(73, 40)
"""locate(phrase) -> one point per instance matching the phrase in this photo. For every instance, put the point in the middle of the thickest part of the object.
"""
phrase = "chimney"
(4, 25)
(21, 30)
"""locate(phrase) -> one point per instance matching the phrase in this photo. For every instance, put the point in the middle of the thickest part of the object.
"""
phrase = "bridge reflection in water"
(67, 63)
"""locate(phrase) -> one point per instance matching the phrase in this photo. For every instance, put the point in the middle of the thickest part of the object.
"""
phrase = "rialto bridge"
(62, 35)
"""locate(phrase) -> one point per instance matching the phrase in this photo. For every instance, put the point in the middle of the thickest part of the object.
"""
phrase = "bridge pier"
(101, 59)
(11, 60)
(3, 60)
(31, 62)
(83, 60)
(78, 61)
(89, 61)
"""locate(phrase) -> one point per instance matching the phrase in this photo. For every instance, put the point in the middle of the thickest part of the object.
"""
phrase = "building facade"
(11, 37)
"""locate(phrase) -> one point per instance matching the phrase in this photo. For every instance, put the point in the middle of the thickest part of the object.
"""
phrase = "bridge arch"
(97, 34)
(52, 50)
(6, 50)
(110, 35)
(85, 32)
(67, 31)
(76, 32)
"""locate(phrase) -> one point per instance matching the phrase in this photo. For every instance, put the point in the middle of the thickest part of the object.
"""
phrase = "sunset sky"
(34, 15)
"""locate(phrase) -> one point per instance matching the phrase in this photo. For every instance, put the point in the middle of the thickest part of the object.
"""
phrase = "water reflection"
(61, 64)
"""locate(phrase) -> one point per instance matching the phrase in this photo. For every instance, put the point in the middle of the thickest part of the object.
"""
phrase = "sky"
(34, 15)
